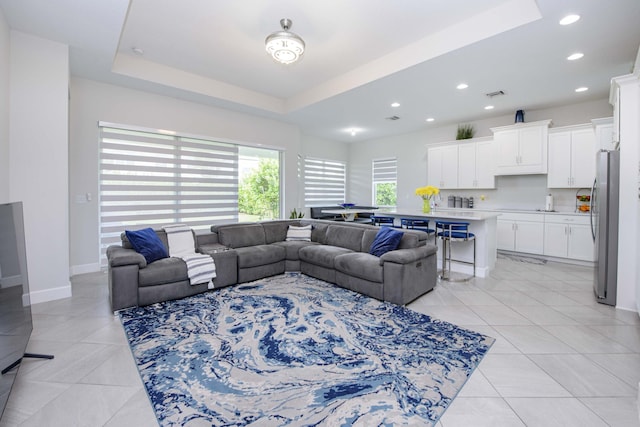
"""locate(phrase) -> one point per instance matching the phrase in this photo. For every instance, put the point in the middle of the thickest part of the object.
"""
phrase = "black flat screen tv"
(15, 305)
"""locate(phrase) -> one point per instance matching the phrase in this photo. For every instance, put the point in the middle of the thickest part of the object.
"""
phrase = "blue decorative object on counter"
(520, 116)
(347, 205)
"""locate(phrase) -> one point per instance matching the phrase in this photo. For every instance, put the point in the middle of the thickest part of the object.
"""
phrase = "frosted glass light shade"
(285, 46)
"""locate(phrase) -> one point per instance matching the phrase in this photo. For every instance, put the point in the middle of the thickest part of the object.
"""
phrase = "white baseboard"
(7, 282)
(84, 269)
(50, 294)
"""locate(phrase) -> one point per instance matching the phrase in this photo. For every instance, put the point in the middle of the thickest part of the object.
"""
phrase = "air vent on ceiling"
(496, 93)
(393, 118)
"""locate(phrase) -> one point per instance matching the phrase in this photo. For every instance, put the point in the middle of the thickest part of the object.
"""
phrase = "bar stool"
(382, 221)
(454, 231)
(418, 224)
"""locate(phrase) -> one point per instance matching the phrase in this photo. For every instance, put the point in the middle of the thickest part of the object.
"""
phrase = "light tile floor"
(560, 359)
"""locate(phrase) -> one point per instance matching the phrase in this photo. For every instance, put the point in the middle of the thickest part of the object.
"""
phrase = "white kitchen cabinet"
(568, 236)
(572, 157)
(476, 162)
(521, 148)
(605, 138)
(521, 233)
(442, 166)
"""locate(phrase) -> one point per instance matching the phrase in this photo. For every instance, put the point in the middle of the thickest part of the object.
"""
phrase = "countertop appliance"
(604, 225)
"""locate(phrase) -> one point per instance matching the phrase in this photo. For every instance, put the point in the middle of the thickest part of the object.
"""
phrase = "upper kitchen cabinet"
(521, 149)
(442, 166)
(572, 157)
(605, 136)
(476, 164)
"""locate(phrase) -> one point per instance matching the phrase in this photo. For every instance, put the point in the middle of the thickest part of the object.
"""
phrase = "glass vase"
(426, 206)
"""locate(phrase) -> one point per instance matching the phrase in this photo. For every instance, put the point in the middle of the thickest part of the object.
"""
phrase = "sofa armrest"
(406, 256)
(206, 238)
(119, 256)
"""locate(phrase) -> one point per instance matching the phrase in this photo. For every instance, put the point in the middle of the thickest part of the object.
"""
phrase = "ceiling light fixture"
(582, 89)
(575, 56)
(489, 107)
(285, 46)
(569, 19)
(462, 86)
(430, 119)
(395, 104)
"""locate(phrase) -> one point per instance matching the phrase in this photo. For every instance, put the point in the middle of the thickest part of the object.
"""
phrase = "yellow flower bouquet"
(427, 192)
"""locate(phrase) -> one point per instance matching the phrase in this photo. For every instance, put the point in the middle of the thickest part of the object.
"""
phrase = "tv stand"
(31, 355)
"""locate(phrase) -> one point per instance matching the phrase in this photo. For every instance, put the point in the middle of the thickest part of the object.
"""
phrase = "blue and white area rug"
(291, 350)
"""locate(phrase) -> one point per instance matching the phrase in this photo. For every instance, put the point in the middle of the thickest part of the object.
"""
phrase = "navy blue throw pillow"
(387, 239)
(147, 243)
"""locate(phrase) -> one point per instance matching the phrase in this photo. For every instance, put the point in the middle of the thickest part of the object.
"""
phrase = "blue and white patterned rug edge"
(371, 396)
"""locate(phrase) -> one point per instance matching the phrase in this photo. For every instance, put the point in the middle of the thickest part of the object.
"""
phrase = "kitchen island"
(481, 223)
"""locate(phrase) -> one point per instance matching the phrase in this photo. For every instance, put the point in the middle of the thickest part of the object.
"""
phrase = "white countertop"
(468, 214)
(508, 210)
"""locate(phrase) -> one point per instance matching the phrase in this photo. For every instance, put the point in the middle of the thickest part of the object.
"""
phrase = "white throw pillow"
(299, 233)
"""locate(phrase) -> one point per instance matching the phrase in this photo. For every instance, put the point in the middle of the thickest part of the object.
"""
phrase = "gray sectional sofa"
(243, 252)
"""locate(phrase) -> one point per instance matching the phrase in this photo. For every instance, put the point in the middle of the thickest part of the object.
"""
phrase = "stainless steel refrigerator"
(604, 225)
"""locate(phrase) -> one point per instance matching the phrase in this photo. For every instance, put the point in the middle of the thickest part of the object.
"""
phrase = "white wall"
(411, 152)
(4, 108)
(92, 102)
(628, 295)
(320, 148)
(38, 135)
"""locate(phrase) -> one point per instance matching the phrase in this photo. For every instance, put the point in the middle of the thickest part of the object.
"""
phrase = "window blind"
(324, 182)
(385, 170)
(152, 179)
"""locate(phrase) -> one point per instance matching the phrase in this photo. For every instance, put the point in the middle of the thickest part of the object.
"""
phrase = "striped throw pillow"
(299, 233)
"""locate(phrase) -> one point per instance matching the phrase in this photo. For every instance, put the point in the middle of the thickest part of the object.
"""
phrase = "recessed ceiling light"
(569, 19)
(430, 119)
(137, 51)
(462, 86)
(489, 107)
(395, 104)
(575, 56)
(582, 89)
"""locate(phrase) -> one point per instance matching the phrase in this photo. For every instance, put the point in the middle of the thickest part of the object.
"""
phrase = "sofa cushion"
(319, 231)
(241, 235)
(386, 240)
(361, 265)
(293, 247)
(147, 243)
(413, 239)
(322, 255)
(349, 237)
(254, 256)
(276, 230)
(167, 270)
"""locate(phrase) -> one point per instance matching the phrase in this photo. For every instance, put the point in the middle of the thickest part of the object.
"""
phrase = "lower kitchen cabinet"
(568, 236)
(521, 233)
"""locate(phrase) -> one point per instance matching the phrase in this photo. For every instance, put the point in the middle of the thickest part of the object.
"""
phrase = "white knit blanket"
(200, 267)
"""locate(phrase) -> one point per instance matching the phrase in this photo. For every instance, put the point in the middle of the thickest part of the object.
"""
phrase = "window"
(385, 172)
(151, 179)
(259, 191)
(324, 182)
